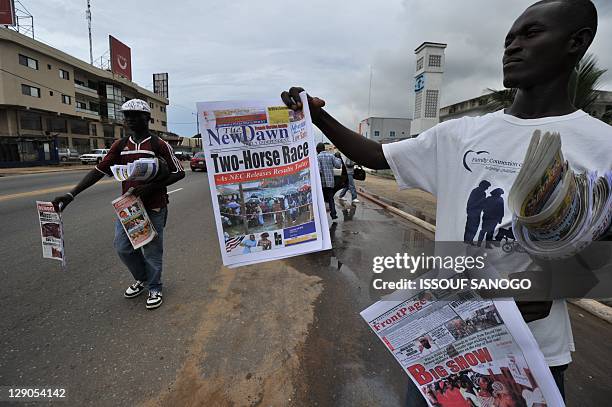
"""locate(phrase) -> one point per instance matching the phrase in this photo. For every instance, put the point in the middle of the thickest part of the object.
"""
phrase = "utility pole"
(370, 93)
(88, 17)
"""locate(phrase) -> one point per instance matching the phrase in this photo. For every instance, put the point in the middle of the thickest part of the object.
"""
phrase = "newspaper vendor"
(541, 50)
(145, 264)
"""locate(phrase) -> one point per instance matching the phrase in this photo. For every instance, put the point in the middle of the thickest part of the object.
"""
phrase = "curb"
(593, 307)
(596, 308)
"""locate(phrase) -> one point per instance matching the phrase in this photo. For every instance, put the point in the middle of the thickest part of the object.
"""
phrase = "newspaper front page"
(462, 350)
(264, 180)
(134, 219)
(51, 231)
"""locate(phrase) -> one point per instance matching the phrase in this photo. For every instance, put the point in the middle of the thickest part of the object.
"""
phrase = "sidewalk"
(413, 201)
(43, 169)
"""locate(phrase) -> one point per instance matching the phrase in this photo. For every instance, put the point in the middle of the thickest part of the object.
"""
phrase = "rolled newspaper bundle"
(556, 211)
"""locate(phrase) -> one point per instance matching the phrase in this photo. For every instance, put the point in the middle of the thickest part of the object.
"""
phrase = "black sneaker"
(135, 289)
(154, 300)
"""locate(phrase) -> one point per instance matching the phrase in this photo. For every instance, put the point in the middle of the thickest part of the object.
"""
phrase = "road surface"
(282, 333)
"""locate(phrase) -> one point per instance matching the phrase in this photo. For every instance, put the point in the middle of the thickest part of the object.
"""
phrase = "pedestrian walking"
(145, 264)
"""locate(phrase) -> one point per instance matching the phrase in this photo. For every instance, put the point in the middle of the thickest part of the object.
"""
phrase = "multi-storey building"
(50, 100)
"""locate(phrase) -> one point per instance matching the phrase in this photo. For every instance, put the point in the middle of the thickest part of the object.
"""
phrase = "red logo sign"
(121, 58)
(7, 12)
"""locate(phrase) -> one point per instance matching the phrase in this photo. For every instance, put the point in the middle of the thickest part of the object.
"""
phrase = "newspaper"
(51, 231)
(264, 180)
(457, 348)
(556, 211)
(134, 219)
(142, 169)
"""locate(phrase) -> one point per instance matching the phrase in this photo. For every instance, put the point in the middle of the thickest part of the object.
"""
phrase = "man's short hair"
(581, 13)
(320, 147)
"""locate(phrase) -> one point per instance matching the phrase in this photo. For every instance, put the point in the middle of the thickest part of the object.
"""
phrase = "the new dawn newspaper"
(459, 349)
(264, 180)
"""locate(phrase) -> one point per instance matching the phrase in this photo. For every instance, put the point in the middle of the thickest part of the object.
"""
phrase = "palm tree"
(583, 86)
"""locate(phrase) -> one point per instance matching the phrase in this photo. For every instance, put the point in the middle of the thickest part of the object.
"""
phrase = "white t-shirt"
(452, 159)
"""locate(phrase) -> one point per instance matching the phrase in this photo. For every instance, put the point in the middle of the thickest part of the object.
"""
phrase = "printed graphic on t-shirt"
(485, 213)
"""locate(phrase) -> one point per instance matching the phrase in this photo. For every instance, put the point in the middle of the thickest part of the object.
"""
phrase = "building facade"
(51, 100)
(478, 106)
(385, 129)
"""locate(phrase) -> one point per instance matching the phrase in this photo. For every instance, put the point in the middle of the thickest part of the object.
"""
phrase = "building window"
(109, 132)
(49, 66)
(66, 99)
(30, 121)
(431, 104)
(435, 60)
(376, 133)
(81, 105)
(79, 127)
(391, 133)
(152, 120)
(64, 74)
(419, 64)
(418, 101)
(29, 62)
(152, 105)
(50, 93)
(164, 123)
(57, 125)
(162, 109)
(93, 130)
(30, 91)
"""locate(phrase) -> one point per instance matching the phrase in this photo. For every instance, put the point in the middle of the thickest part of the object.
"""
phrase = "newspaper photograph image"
(264, 181)
(134, 219)
(51, 231)
(459, 349)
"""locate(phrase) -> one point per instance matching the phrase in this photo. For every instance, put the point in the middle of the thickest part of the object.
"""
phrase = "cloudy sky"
(245, 49)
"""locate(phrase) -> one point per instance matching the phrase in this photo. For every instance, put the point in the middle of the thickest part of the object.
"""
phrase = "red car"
(198, 162)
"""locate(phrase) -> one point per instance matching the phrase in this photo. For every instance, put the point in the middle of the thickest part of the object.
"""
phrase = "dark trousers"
(328, 196)
(558, 373)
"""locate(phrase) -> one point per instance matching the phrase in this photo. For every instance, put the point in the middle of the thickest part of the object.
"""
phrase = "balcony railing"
(85, 90)
(87, 111)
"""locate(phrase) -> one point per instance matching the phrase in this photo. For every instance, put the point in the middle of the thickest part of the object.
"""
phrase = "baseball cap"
(137, 105)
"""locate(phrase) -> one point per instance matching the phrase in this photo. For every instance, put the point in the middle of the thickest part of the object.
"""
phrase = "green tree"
(583, 87)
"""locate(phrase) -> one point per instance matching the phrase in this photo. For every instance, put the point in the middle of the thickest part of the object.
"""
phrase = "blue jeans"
(144, 263)
(351, 186)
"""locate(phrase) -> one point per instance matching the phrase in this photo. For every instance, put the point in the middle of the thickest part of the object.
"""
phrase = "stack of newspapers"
(557, 212)
(143, 169)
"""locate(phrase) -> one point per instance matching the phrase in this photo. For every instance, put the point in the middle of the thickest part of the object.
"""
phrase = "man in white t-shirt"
(454, 158)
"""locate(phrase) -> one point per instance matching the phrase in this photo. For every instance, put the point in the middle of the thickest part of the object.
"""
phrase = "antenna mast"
(88, 17)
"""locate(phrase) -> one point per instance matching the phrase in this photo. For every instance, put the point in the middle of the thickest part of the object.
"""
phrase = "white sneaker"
(154, 300)
(134, 290)
(355, 200)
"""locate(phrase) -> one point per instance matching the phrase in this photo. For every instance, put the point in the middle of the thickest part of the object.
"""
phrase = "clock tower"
(427, 86)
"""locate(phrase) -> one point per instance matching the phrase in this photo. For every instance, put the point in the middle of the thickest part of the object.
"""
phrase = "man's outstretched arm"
(88, 180)
(356, 147)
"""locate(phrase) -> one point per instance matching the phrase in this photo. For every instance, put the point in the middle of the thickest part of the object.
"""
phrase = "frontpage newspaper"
(459, 349)
(264, 180)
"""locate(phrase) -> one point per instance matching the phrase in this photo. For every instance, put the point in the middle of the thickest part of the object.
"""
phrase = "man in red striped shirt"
(145, 264)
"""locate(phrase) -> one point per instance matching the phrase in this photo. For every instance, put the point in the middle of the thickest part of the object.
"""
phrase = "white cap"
(137, 105)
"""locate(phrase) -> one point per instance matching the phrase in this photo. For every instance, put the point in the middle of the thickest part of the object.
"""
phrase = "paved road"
(283, 333)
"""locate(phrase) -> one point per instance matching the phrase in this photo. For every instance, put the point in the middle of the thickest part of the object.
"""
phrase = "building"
(50, 100)
(428, 85)
(385, 129)
(478, 106)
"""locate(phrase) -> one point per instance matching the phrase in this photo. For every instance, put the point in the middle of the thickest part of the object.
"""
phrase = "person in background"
(327, 163)
(350, 166)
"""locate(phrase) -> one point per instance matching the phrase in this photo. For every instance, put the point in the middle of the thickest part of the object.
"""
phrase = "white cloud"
(218, 50)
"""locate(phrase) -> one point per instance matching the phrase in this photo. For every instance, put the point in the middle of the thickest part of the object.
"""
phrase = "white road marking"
(176, 190)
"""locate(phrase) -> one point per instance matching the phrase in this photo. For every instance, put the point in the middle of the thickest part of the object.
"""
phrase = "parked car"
(182, 155)
(94, 157)
(198, 162)
(66, 154)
